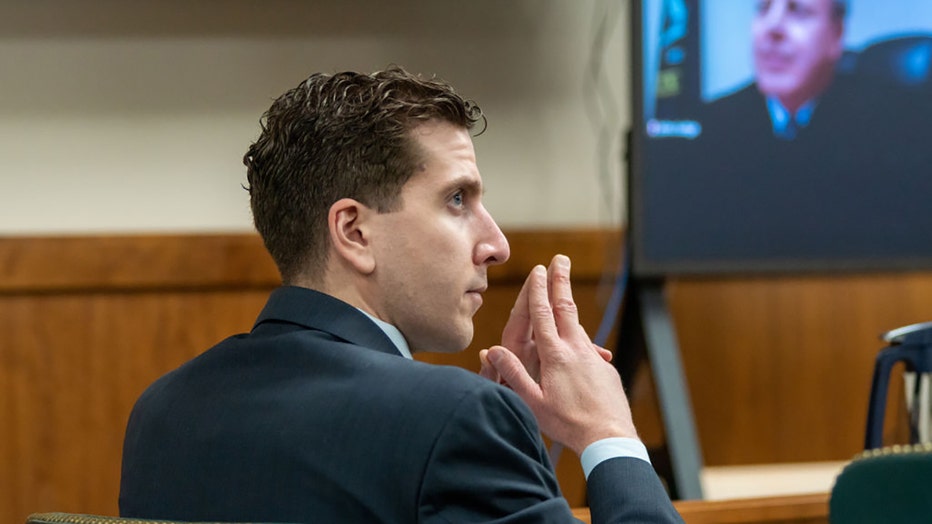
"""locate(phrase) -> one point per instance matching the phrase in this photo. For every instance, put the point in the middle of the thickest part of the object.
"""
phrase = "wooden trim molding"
(801, 509)
(59, 264)
(198, 261)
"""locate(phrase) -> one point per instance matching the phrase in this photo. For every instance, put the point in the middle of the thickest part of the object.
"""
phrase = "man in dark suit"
(811, 159)
(366, 193)
(796, 45)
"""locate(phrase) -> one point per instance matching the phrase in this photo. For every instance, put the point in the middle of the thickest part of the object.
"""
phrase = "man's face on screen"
(796, 46)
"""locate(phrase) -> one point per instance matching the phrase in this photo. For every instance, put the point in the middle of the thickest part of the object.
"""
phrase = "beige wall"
(133, 116)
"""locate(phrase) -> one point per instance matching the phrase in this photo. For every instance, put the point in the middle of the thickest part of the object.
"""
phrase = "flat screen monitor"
(781, 136)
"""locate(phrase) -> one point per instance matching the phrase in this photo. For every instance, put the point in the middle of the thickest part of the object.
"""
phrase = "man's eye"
(798, 9)
(457, 199)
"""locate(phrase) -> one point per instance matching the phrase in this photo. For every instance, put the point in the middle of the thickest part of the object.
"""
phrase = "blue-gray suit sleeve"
(489, 464)
(627, 490)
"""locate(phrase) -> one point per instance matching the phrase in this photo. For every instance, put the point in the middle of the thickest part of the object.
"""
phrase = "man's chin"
(772, 87)
(780, 91)
(451, 343)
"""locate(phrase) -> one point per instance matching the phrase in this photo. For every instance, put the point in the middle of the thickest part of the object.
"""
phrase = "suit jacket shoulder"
(315, 417)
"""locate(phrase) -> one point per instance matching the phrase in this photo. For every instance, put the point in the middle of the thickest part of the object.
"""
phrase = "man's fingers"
(511, 370)
(517, 330)
(541, 312)
(604, 353)
(485, 367)
(565, 313)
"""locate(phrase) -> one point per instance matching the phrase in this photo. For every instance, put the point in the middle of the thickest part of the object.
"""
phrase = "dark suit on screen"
(314, 416)
(848, 181)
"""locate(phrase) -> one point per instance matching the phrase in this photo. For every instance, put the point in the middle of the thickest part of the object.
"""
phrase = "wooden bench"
(792, 509)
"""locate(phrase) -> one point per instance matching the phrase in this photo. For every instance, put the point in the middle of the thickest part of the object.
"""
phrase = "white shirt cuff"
(609, 448)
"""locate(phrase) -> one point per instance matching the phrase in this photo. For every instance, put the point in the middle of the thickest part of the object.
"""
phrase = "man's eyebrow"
(468, 183)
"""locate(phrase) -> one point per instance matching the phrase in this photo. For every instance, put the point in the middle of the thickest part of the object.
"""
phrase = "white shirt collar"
(393, 334)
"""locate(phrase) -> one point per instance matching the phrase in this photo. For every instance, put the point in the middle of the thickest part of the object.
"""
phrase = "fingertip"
(605, 354)
(562, 261)
(493, 354)
(500, 357)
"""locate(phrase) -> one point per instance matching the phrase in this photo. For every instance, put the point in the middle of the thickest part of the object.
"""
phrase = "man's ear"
(349, 225)
(838, 46)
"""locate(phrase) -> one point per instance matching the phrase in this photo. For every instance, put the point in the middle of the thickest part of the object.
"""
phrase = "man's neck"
(394, 334)
(349, 289)
(350, 295)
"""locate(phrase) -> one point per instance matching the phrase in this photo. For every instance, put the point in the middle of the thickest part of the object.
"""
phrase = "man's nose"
(775, 16)
(492, 248)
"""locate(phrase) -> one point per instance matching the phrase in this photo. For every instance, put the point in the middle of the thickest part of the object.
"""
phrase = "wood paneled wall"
(87, 323)
(779, 369)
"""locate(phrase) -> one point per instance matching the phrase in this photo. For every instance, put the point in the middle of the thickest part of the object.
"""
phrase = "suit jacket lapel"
(314, 310)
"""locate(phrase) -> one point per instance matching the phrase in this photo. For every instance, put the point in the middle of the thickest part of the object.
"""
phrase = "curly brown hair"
(346, 135)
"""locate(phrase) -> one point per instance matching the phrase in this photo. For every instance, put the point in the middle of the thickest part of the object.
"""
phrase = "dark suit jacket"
(314, 416)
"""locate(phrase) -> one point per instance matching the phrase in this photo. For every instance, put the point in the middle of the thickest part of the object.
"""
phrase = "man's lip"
(773, 59)
(477, 293)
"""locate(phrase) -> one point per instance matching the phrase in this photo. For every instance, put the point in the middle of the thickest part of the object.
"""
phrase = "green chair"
(889, 485)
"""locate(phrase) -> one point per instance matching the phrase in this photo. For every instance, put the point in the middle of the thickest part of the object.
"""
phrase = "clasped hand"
(547, 358)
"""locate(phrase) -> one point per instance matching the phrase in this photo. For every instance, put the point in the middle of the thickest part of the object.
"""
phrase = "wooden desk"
(793, 509)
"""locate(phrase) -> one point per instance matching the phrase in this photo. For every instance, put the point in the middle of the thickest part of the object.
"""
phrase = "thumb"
(604, 353)
(486, 369)
(512, 372)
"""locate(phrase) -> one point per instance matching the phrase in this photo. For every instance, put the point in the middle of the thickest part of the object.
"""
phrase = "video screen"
(781, 135)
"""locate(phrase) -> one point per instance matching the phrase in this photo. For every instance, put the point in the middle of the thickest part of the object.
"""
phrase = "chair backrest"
(887, 485)
(904, 61)
(911, 345)
(77, 518)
